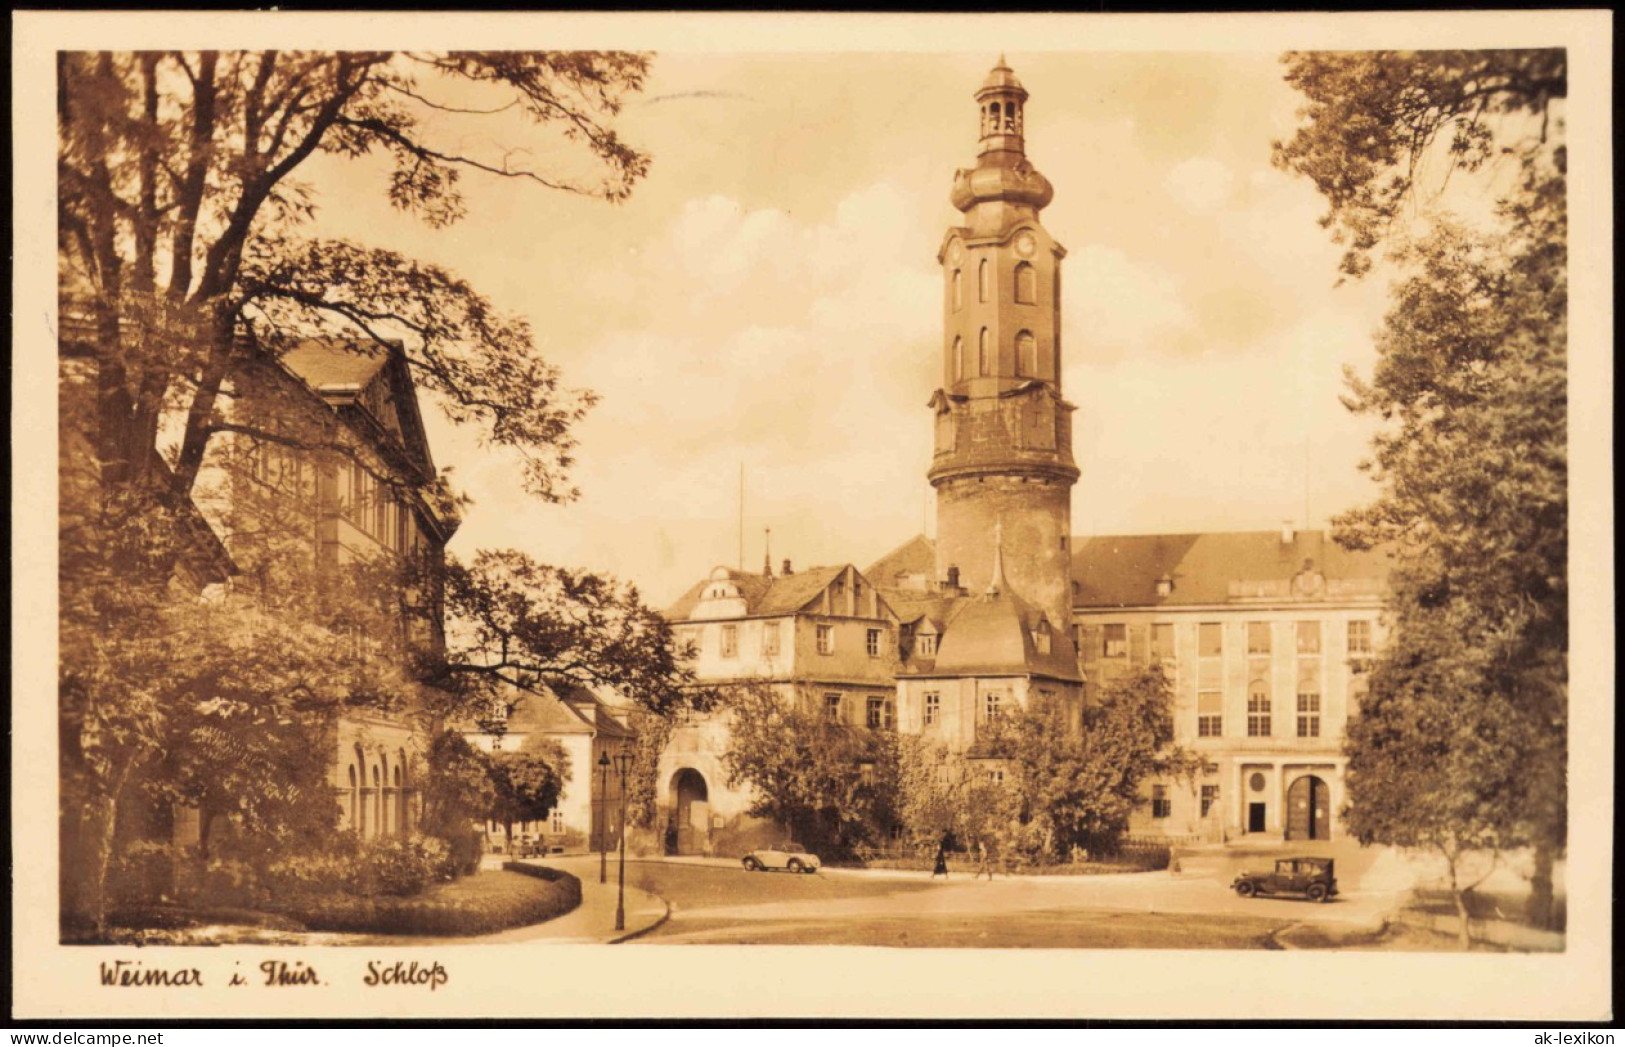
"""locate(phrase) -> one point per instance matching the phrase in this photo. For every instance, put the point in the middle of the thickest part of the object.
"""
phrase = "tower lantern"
(1001, 99)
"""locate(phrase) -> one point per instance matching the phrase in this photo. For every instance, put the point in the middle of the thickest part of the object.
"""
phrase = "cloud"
(1118, 307)
(1201, 184)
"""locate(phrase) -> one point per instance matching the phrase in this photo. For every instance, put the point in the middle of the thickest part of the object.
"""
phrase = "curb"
(640, 932)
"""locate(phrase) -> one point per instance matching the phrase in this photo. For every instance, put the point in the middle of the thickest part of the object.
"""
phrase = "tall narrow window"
(1210, 796)
(1258, 638)
(832, 708)
(981, 353)
(1309, 699)
(1359, 637)
(1258, 709)
(1115, 641)
(958, 290)
(1026, 284)
(1308, 637)
(1210, 714)
(1161, 805)
(994, 705)
(872, 643)
(984, 281)
(933, 707)
(1162, 642)
(826, 639)
(770, 639)
(959, 359)
(730, 641)
(1026, 355)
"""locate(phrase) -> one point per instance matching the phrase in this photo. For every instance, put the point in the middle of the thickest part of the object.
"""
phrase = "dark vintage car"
(1311, 877)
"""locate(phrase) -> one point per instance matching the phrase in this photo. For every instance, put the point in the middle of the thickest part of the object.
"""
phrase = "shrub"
(142, 874)
(402, 865)
(481, 904)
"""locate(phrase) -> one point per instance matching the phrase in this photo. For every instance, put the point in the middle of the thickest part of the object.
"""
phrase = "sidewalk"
(591, 922)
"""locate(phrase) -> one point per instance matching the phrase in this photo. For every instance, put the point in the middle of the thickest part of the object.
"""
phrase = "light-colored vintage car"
(791, 857)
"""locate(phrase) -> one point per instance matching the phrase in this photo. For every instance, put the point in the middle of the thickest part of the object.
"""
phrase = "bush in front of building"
(472, 905)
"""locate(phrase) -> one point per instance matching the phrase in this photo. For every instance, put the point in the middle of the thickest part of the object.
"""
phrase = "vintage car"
(1311, 877)
(791, 857)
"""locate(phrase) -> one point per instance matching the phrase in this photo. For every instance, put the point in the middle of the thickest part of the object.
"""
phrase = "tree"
(517, 623)
(1077, 788)
(1376, 119)
(528, 783)
(823, 781)
(184, 228)
(940, 793)
(1471, 378)
(187, 268)
(459, 789)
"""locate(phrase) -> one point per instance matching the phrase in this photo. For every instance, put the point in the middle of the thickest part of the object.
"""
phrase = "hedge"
(479, 904)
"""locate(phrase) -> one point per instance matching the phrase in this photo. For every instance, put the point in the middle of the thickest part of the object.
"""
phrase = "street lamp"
(603, 817)
(623, 767)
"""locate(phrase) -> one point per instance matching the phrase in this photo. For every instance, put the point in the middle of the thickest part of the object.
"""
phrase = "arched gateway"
(1308, 810)
(691, 812)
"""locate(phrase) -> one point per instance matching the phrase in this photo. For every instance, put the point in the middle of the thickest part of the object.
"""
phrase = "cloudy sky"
(769, 297)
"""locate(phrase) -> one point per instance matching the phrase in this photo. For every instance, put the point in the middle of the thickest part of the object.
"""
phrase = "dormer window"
(926, 645)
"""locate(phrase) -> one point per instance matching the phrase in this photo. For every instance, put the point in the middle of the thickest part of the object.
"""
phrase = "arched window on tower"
(1026, 355)
(958, 289)
(1026, 284)
(984, 281)
(959, 359)
(993, 112)
(981, 355)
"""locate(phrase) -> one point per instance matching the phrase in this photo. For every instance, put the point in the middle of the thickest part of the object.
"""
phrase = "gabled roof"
(325, 365)
(547, 711)
(917, 556)
(1122, 570)
(764, 596)
(373, 381)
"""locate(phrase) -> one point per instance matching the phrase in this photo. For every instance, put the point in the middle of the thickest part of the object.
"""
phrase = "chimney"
(786, 572)
(953, 579)
(1287, 533)
(767, 554)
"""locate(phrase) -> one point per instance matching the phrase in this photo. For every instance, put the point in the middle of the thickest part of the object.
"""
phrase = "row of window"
(1001, 119)
(873, 640)
(1210, 720)
(1114, 640)
(1162, 805)
(1026, 284)
(1026, 356)
(879, 712)
(371, 506)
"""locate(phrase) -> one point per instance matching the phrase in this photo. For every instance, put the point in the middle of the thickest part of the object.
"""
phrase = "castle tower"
(1003, 455)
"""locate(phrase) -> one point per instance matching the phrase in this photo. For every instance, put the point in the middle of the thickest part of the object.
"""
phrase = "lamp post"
(603, 817)
(623, 767)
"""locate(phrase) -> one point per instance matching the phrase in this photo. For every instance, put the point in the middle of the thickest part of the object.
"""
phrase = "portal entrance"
(691, 813)
(1308, 807)
(1255, 817)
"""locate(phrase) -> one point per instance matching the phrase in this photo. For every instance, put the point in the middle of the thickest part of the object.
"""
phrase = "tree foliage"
(1460, 745)
(1077, 787)
(528, 783)
(826, 782)
(518, 623)
(185, 230)
(1375, 119)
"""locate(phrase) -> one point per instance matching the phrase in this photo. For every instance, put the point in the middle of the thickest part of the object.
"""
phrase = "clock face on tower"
(955, 252)
(1026, 244)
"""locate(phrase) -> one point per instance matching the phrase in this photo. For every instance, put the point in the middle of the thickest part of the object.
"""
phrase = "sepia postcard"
(558, 515)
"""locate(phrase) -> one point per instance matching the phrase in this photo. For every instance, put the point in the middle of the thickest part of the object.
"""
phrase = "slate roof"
(918, 556)
(549, 713)
(992, 634)
(321, 364)
(764, 596)
(1122, 570)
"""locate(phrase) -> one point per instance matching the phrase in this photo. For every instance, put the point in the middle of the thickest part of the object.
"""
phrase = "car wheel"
(794, 866)
(1245, 889)
(752, 865)
(1317, 892)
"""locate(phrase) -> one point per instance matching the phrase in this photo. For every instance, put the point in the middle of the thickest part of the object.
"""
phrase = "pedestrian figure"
(982, 865)
(941, 867)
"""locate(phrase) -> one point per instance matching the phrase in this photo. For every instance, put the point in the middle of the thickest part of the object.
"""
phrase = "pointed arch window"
(982, 355)
(959, 359)
(984, 281)
(1026, 284)
(1026, 355)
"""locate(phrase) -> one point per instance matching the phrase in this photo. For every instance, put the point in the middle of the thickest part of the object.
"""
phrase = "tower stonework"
(1003, 453)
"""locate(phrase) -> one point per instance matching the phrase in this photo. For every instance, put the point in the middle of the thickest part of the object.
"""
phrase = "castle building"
(822, 640)
(1265, 635)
